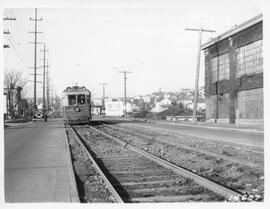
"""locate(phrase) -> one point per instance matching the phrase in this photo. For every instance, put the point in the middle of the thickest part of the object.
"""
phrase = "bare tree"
(12, 80)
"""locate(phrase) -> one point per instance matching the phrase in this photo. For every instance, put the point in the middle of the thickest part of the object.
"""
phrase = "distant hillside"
(175, 111)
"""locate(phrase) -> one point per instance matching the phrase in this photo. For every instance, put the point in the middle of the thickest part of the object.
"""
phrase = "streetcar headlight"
(78, 109)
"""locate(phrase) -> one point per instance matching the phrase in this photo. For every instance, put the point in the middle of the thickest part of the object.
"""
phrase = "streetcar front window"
(71, 100)
(88, 99)
(81, 99)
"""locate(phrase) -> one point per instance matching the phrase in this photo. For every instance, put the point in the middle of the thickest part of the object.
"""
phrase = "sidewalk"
(16, 122)
(38, 164)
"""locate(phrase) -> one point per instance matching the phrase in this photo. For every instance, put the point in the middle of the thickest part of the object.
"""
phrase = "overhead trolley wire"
(23, 32)
(16, 51)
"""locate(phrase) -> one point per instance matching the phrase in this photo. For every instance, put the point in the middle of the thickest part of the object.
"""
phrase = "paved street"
(219, 134)
(36, 166)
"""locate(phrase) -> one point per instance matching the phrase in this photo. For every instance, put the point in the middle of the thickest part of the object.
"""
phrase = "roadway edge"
(73, 191)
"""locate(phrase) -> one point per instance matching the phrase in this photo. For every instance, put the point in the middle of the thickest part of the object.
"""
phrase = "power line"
(8, 19)
(16, 51)
(12, 37)
(21, 28)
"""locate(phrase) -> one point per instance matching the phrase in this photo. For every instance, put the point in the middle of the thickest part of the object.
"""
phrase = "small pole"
(125, 89)
(103, 96)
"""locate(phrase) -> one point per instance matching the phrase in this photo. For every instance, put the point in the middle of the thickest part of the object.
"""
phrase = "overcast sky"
(86, 44)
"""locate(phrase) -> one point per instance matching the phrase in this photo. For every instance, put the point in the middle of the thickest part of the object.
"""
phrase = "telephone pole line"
(103, 98)
(48, 88)
(125, 88)
(200, 30)
(35, 54)
(44, 70)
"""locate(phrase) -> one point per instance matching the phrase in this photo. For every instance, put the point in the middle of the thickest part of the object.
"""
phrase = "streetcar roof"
(76, 89)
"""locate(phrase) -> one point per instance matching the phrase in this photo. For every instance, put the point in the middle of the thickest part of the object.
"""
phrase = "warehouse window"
(223, 105)
(250, 104)
(249, 59)
(220, 67)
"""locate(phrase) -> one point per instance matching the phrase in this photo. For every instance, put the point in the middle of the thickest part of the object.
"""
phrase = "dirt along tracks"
(136, 178)
(238, 167)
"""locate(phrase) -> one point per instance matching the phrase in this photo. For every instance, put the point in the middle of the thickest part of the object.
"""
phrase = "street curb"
(11, 125)
(74, 195)
(203, 126)
(147, 120)
(212, 127)
(197, 136)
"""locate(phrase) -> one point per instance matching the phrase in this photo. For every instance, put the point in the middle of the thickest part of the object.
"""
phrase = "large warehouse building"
(234, 75)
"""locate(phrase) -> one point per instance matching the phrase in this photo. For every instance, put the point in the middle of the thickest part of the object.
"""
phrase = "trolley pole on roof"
(200, 30)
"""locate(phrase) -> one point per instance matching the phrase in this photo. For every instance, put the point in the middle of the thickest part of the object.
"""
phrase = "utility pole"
(44, 69)
(35, 54)
(103, 98)
(48, 87)
(200, 30)
(125, 89)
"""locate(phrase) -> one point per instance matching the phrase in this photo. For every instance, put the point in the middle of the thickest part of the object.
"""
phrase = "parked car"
(39, 115)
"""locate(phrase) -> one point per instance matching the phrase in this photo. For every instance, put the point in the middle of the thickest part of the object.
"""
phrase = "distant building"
(161, 105)
(234, 75)
(200, 106)
(147, 99)
(97, 109)
(114, 108)
(97, 101)
(186, 101)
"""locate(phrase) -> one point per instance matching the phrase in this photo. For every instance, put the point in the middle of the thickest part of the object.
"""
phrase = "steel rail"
(214, 187)
(103, 176)
(199, 150)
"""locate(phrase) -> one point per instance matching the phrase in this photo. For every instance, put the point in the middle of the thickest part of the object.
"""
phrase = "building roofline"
(233, 31)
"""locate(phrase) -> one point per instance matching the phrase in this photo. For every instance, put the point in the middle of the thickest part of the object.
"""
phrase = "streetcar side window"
(81, 99)
(71, 100)
(88, 99)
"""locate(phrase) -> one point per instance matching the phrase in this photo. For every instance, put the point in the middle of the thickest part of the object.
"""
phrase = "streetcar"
(76, 108)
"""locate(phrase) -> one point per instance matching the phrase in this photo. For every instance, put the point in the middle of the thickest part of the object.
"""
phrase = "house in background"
(161, 105)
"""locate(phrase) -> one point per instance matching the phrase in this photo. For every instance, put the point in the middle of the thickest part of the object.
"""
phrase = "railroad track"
(134, 175)
(212, 153)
